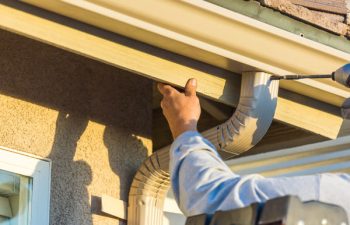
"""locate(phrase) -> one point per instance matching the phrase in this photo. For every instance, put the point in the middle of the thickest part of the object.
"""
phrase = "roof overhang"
(201, 31)
(214, 35)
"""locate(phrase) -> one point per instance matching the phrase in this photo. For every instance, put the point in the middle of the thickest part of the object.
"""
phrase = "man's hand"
(182, 110)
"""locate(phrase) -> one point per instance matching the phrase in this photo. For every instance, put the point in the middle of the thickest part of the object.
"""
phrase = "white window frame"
(39, 169)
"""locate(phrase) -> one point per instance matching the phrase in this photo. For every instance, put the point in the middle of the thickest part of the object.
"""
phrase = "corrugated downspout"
(148, 190)
(252, 118)
(249, 123)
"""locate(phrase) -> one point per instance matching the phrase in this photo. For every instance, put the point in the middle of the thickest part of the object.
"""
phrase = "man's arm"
(202, 182)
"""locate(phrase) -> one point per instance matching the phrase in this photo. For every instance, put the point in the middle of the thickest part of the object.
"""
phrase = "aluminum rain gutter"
(216, 83)
(214, 35)
(246, 127)
(329, 156)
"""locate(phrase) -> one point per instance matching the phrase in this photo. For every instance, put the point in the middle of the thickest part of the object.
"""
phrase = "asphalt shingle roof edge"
(255, 10)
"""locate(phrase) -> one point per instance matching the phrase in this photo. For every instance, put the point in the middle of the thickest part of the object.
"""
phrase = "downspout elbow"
(246, 127)
(252, 118)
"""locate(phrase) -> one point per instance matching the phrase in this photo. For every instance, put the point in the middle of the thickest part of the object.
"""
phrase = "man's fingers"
(191, 87)
(166, 89)
(161, 88)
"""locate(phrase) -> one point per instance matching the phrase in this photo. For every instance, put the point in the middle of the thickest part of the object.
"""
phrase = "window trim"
(39, 169)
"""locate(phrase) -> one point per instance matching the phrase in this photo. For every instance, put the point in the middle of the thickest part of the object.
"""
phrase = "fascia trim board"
(215, 83)
(114, 50)
(239, 44)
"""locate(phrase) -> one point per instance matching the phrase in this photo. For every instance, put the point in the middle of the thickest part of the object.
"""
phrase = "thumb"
(190, 88)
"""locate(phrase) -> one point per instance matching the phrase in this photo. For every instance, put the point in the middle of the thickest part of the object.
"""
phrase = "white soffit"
(215, 35)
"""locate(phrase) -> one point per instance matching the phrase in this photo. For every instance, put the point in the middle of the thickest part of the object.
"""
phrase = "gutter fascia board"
(239, 44)
(217, 84)
(330, 153)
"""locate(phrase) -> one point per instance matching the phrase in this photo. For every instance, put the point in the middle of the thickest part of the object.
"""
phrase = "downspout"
(246, 127)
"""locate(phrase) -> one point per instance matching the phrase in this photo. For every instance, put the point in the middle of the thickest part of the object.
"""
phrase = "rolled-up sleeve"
(203, 183)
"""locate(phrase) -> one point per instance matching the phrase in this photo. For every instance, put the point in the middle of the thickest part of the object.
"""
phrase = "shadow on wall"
(69, 177)
(82, 90)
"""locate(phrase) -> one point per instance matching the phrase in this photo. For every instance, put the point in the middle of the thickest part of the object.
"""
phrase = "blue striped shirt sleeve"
(203, 183)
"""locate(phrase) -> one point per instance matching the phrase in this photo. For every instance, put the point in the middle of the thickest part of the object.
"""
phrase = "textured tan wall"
(92, 120)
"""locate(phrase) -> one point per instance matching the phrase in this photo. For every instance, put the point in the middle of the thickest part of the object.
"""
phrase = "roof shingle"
(335, 21)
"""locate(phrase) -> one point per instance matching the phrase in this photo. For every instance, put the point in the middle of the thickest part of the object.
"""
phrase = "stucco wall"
(92, 120)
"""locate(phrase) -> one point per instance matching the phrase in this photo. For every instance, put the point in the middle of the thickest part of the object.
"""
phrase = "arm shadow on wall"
(69, 178)
(82, 91)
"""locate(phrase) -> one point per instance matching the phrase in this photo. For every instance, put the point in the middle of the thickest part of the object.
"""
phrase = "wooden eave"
(217, 44)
